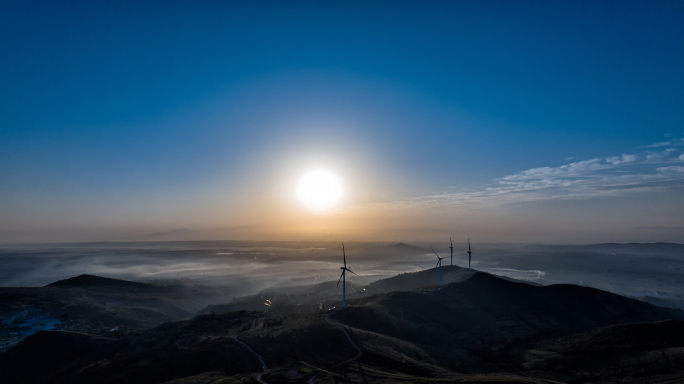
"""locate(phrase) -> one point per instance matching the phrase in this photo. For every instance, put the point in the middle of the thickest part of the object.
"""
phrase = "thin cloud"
(656, 157)
(607, 176)
(672, 168)
(622, 160)
(670, 143)
(598, 176)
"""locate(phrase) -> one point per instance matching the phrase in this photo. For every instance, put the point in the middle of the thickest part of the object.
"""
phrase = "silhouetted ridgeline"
(478, 328)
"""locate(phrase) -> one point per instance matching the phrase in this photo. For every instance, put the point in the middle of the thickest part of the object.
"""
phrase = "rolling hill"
(482, 329)
(95, 304)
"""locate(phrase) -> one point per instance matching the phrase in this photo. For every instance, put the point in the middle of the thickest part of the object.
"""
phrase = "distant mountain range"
(670, 249)
(182, 234)
(185, 234)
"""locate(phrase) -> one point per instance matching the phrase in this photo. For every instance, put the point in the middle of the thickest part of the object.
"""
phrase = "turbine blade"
(434, 251)
(437, 265)
(344, 255)
(468, 244)
(350, 271)
(338, 281)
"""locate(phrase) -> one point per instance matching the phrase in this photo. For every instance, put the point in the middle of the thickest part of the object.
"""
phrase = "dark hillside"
(634, 353)
(325, 294)
(620, 338)
(491, 318)
(175, 350)
(288, 299)
(94, 304)
(153, 356)
(482, 329)
(98, 282)
(504, 310)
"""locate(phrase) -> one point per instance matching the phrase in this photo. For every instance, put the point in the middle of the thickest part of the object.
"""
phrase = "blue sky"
(163, 115)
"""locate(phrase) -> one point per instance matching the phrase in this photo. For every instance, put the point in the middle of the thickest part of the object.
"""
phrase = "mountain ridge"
(476, 328)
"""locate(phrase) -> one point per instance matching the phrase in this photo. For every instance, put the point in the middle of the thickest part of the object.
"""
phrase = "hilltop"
(412, 280)
(404, 247)
(95, 304)
(318, 296)
(283, 300)
(98, 282)
(486, 311)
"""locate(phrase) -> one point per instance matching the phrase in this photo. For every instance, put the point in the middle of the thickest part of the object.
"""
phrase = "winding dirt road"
(258, 356)
(327, 318)
(341, 328)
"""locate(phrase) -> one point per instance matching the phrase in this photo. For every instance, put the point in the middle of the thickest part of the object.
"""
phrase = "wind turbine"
(469, 255)
(439, 264)
(343, 279)
(452, 251)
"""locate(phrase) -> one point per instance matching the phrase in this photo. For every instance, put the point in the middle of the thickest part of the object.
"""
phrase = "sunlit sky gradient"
(505, 121)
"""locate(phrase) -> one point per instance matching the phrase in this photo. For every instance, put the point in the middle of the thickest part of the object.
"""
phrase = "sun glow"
(319, 190)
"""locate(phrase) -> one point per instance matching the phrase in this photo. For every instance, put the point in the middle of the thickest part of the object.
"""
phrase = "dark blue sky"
(110, 104)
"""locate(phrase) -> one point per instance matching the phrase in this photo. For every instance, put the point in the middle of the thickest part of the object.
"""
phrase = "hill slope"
(325, 294)
(486, 310)
(483, 329)
(88, 303)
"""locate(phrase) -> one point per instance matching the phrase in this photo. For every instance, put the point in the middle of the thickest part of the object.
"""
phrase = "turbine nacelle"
(344, 270)
(439, 259)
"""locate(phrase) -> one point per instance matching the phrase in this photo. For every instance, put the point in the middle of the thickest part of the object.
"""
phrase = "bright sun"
(319, 190)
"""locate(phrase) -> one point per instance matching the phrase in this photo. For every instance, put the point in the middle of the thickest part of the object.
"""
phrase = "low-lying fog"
(244, 267)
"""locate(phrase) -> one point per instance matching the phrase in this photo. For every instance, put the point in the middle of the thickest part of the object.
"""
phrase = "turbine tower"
(469, 255)
(439, 264)
(343, 279)
(452, 251)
